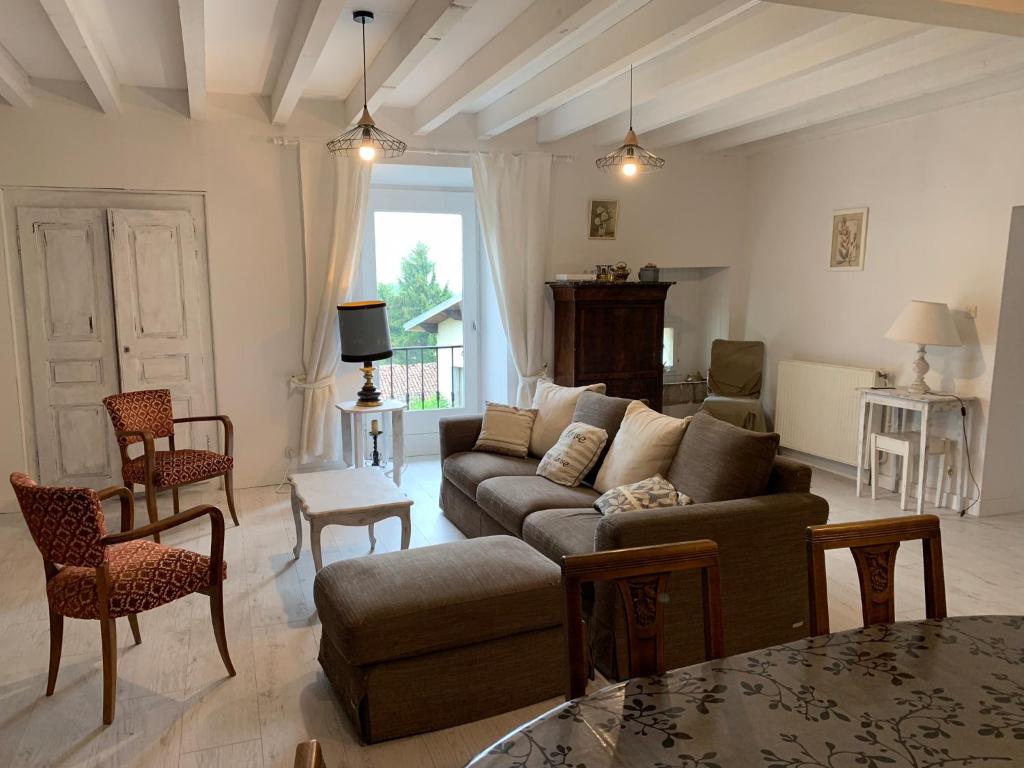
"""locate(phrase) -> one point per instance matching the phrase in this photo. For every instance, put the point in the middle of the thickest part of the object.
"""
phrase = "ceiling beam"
(14, 85)
(419, 32)
(659, 26)
(313, 27)
(193, 43)
(1004, 17)
(732, 43)
(541, 35)
(854, 94)
(844, 39)
(92, 61)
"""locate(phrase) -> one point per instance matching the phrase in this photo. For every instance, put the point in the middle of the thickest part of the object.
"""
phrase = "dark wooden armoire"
(610, 333)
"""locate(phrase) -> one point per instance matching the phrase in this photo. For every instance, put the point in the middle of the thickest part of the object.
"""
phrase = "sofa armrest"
(458, 434)
(731, 524)
(789, 476)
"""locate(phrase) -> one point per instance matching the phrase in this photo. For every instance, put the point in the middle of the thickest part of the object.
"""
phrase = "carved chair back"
(874, 544)
(147, 410)
(641, 575)
(67, 524)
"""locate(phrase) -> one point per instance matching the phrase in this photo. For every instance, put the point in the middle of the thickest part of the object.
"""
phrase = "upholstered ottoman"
(432, 637)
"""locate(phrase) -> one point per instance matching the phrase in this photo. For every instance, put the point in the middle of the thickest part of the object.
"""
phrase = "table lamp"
(365, 337)
(924, 323)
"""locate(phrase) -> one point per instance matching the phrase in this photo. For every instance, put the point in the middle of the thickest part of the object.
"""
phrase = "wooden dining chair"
(309, 755)
(146, 416)
(642, 575)
(874, 544)
(91, 574)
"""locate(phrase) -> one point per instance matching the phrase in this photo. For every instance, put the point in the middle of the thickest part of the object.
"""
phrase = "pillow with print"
(651, 493)
(574, 455)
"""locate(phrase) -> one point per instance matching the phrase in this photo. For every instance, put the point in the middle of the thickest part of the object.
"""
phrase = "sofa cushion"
(645, 445)
(508, 500)
(506, 430)
(559, 532)
(717, 461)
(417, 601)
(468, 470)
(605, 412)
(555, 405)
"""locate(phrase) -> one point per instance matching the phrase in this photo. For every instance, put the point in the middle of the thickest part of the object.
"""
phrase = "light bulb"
(629, 168)
(367, 152)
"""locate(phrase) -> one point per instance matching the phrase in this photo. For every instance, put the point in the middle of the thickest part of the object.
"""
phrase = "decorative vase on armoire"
(610, 333)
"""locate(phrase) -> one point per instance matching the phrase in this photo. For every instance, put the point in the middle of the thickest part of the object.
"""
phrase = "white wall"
(940, 189)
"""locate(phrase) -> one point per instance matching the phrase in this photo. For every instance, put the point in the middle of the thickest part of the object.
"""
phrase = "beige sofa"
(761, 539)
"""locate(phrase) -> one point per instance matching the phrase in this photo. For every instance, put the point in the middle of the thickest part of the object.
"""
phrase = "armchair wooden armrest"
(216, 542)
(229, 428)
(127, 504)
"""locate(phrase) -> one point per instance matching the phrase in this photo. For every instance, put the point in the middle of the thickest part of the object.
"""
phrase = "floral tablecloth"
(906, 695)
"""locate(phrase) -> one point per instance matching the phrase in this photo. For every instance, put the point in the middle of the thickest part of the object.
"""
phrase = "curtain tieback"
(301, 380)
(538, 375)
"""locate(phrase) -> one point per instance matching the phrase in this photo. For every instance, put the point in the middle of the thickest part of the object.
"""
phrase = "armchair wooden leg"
(151, 509)
(56, 642)
(217, 615)
(133, 622)
(229, 489)
(108, 637)
(177, 501)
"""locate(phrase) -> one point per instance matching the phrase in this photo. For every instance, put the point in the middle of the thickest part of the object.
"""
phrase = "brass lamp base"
(369, 395)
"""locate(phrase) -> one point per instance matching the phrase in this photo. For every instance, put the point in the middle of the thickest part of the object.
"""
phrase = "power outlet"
(972, 311)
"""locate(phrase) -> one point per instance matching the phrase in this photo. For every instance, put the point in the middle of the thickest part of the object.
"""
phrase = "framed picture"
(603, 219)
(849, 232)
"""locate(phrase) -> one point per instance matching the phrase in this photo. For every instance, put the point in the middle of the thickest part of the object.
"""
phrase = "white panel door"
(72, 347)
(160, 313)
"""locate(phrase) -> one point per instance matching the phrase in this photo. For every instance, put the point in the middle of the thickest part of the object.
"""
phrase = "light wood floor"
(176, 708)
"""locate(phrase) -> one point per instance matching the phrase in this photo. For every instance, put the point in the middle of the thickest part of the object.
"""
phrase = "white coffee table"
(359, 496)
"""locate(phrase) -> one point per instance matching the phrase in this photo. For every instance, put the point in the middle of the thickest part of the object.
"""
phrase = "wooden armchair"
(145, 417)
(641, 574)
(91, 574)
(874, 544)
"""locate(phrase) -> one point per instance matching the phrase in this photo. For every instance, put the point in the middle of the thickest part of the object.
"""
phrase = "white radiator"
(817, 408)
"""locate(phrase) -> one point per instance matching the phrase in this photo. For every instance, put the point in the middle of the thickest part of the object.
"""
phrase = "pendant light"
(630, 159)
(366, 141)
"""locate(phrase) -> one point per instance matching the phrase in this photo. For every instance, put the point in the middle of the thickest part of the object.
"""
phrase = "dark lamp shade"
(364, 331)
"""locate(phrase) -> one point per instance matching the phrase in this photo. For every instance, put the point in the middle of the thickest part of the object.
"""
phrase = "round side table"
(354, 426)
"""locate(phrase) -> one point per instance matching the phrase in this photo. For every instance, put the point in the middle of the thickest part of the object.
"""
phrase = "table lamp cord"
(967, 450)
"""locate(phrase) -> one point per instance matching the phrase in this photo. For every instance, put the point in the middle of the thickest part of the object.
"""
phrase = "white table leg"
(860, 444)
(373, 538)
(346, 439)
(922, 460)
(358, 440)
(314, 544)
(297, 514)
(397, 445)
(406, 527)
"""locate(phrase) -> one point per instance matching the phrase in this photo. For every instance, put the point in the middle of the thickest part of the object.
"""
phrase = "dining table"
(913, 694)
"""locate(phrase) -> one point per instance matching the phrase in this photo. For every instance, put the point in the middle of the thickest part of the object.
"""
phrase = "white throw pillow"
(555, 406)
(575, 454)
(645, 446)
(505, 430)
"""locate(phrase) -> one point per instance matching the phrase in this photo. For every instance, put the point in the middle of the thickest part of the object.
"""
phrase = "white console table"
(927, 405)
(354, 428)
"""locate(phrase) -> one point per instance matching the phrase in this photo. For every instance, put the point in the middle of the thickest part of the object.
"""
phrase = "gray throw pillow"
(651, 493)
(717, 461)
(602, 411)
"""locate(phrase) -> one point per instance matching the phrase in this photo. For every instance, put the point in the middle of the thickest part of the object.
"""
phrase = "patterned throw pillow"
(506, 430)
(568, 461)
(647, 494)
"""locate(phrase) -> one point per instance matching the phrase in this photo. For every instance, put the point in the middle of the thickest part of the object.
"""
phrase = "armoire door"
(72, 346)
(160, 314)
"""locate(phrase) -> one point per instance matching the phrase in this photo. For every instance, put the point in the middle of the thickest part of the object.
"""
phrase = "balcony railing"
(424, 378)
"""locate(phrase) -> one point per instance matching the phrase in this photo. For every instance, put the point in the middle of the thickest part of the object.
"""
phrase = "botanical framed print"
(849, 232)
(604, 219)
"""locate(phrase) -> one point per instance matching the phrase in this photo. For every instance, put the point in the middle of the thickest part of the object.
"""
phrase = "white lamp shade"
(925, 322)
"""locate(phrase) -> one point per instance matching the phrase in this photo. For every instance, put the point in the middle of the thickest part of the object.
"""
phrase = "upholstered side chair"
(91, 574)
(146, 416)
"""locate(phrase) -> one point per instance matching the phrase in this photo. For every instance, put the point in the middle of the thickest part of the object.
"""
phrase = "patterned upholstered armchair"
(91, 574)
(146, 416)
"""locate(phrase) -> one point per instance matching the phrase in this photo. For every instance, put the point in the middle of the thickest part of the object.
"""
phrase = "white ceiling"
(718, 73)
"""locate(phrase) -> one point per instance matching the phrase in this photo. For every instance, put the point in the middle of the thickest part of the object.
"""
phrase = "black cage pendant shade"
(366, 141)
(630, 159)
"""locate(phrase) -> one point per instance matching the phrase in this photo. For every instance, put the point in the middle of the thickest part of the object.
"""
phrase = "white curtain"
(335, 192)
(513, 194)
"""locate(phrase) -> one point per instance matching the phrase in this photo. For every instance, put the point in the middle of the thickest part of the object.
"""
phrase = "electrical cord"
(967, 450)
